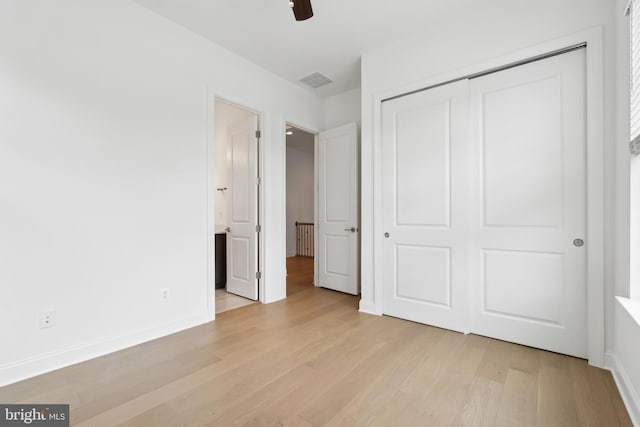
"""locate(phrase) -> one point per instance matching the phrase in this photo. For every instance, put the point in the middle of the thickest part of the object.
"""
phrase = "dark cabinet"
(221, 260)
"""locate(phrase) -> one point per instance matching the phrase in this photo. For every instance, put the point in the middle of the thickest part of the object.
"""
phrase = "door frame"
(212, 97)
(315, 196)
(593, 38)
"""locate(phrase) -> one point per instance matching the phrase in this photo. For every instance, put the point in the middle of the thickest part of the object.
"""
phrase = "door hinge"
(258, 228)
(258, 134)
(258, 181)
(258, 275)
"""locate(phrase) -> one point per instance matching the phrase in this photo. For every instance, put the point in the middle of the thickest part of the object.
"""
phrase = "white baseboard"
(47, 362)
(368, 307)
(271, 301)
(627, 391)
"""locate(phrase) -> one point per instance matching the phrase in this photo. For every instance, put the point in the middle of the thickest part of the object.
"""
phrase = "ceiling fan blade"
(302, 9)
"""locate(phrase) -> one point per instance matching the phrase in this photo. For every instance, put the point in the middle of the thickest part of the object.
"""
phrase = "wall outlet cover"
(47, 319)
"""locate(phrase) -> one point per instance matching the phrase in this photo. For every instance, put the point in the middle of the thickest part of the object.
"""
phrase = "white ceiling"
(265, 32)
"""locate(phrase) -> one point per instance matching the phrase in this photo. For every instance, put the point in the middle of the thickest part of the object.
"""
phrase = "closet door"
(484, 205)
(425, 202)
(528, 265)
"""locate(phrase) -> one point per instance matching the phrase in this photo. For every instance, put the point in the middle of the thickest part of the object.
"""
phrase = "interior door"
(528, 131)
(425, 203)
(242, 206)
(338, 225)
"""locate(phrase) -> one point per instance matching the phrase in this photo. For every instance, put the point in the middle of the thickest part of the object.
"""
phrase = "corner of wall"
(368, 307)
(622, 360)
(625, 387)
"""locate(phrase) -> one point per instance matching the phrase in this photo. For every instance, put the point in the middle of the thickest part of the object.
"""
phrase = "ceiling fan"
(301, 9)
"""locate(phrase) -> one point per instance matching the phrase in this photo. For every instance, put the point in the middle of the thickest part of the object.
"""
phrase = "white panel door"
(425, 202)
(338, 225)
(528, 132)
(242, 249)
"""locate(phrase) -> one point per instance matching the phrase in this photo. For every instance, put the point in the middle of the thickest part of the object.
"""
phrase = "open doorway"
(236, 206)
(301, 207)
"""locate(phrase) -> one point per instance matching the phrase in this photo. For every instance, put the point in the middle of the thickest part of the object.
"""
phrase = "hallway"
(299, 274)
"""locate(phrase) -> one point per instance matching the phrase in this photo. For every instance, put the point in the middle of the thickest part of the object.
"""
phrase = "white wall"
(624, 353)
(487, 30)
(103, 175)
(342, 108)
(624, 359)
(300, 165)
(633, 289)
(226, 115)
(628, 174)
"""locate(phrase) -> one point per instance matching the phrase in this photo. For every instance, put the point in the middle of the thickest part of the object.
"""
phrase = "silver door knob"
(352, 229)
(228, 229)
(578, 242)
(386, 235)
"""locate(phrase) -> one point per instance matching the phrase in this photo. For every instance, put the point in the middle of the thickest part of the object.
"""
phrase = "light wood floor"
(314, 360)
(226, 301)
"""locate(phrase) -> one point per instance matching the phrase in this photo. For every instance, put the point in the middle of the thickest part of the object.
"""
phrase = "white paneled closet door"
(528, 131)
(425, 198)
(484, 203)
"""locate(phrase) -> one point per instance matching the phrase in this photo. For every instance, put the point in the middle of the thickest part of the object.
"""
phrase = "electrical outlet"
(47, 319)
(164, 294)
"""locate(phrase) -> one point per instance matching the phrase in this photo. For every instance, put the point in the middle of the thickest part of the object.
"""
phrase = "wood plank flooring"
(314, 360)
(226, 301)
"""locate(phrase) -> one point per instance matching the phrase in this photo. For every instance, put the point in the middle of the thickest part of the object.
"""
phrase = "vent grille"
(316, 80)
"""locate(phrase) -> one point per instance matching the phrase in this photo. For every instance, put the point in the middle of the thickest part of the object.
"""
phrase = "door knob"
(578, 242)
(352, 229)
(386, 235)
(228, 229)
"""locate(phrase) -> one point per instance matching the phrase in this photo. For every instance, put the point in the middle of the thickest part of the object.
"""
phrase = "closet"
(484, 204)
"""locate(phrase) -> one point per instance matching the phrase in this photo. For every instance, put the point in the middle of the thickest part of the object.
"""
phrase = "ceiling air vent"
(315, 80)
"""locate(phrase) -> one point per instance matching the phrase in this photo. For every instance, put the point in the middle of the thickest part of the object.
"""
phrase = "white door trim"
(316, 207)
(595, 173)
(210, 166)
(211, 208)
